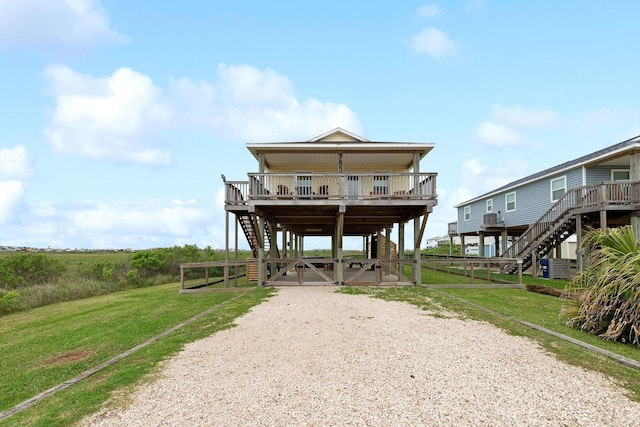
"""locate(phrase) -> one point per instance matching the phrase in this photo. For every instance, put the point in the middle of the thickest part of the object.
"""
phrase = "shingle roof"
(571, 163)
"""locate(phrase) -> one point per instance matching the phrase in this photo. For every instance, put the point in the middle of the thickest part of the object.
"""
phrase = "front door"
(353, 187)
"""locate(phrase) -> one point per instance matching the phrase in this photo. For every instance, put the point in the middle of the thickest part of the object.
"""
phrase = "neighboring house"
(531, 217)
(436, 241)
(337, 184)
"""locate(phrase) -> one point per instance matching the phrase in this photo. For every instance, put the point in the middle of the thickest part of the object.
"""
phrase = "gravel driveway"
(312, 357)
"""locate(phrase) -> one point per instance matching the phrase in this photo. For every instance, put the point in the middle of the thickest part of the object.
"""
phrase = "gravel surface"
(311, 357)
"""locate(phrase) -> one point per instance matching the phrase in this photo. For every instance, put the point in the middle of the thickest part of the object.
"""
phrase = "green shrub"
(103, 270)
(609, 289)
(8, 278)
(8, 300)
(166, 261)
(18, 270)
(150, 262)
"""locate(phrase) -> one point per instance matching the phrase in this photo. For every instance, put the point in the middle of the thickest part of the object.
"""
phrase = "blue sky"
(118, 117)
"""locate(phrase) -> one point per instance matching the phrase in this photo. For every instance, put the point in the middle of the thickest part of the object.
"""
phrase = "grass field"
(73, 260)
(46, 346)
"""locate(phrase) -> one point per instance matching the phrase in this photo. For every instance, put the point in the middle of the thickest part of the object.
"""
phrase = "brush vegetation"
(29, 280)
(609, 289)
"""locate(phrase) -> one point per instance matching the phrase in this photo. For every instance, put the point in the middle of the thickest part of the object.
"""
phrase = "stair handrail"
(592, 195)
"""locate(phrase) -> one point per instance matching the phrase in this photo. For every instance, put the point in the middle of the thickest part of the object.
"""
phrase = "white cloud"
(113, 118)
(475, 4)
(140, 225)
(522, 118)
(44, 209)
(54, 25)
(11, 193)
(15, 163)
(476, 177)
(152, 217)
(497, 135)
(601, 118)
(434, 42)
(257, 105)
(219, 199)
(429, 11)
(473, 167)
(126, 117)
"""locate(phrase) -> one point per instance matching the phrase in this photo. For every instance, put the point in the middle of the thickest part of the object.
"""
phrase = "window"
(510, 201)
(489, 205)
(381, 184)
(620, 175)
(558, 188)
(467, 213)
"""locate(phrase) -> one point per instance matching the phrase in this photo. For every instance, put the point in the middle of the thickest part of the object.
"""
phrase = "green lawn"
(44, 347)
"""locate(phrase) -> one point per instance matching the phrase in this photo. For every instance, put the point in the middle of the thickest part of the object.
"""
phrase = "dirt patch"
(71, 357)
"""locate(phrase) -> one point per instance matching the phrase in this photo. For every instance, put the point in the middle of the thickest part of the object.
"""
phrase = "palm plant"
(609, 290)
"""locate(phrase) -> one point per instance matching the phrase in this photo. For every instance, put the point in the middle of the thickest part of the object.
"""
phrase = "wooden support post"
(284, 242)
(235, 269)
(261, 266)
(505, 237)
(300, 272)
(273, 248)
(365, 246)
(534, 264)
(463, 246)
(181, 277)
(417, 263)
(339, 230)
(472, 275)
(579, 251)
(387, 250)
(520, 271)
(226, 251)
(401, 246)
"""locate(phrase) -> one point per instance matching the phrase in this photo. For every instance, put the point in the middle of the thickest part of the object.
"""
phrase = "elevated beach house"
(335, 185)
(531, 217)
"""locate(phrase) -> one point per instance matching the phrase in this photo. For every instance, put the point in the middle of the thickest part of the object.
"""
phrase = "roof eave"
(631, 145)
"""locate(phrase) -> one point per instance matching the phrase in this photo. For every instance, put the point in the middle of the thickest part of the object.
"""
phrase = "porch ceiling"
(355, 156)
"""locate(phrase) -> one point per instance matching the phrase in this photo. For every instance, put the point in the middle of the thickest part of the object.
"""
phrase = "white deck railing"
(355, 186)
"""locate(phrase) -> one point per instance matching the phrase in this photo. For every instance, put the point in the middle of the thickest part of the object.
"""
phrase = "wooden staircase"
(542, 244)
(249, 225)
(559, 222)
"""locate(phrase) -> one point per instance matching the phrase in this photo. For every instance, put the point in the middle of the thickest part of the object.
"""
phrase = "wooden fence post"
(520, 271)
